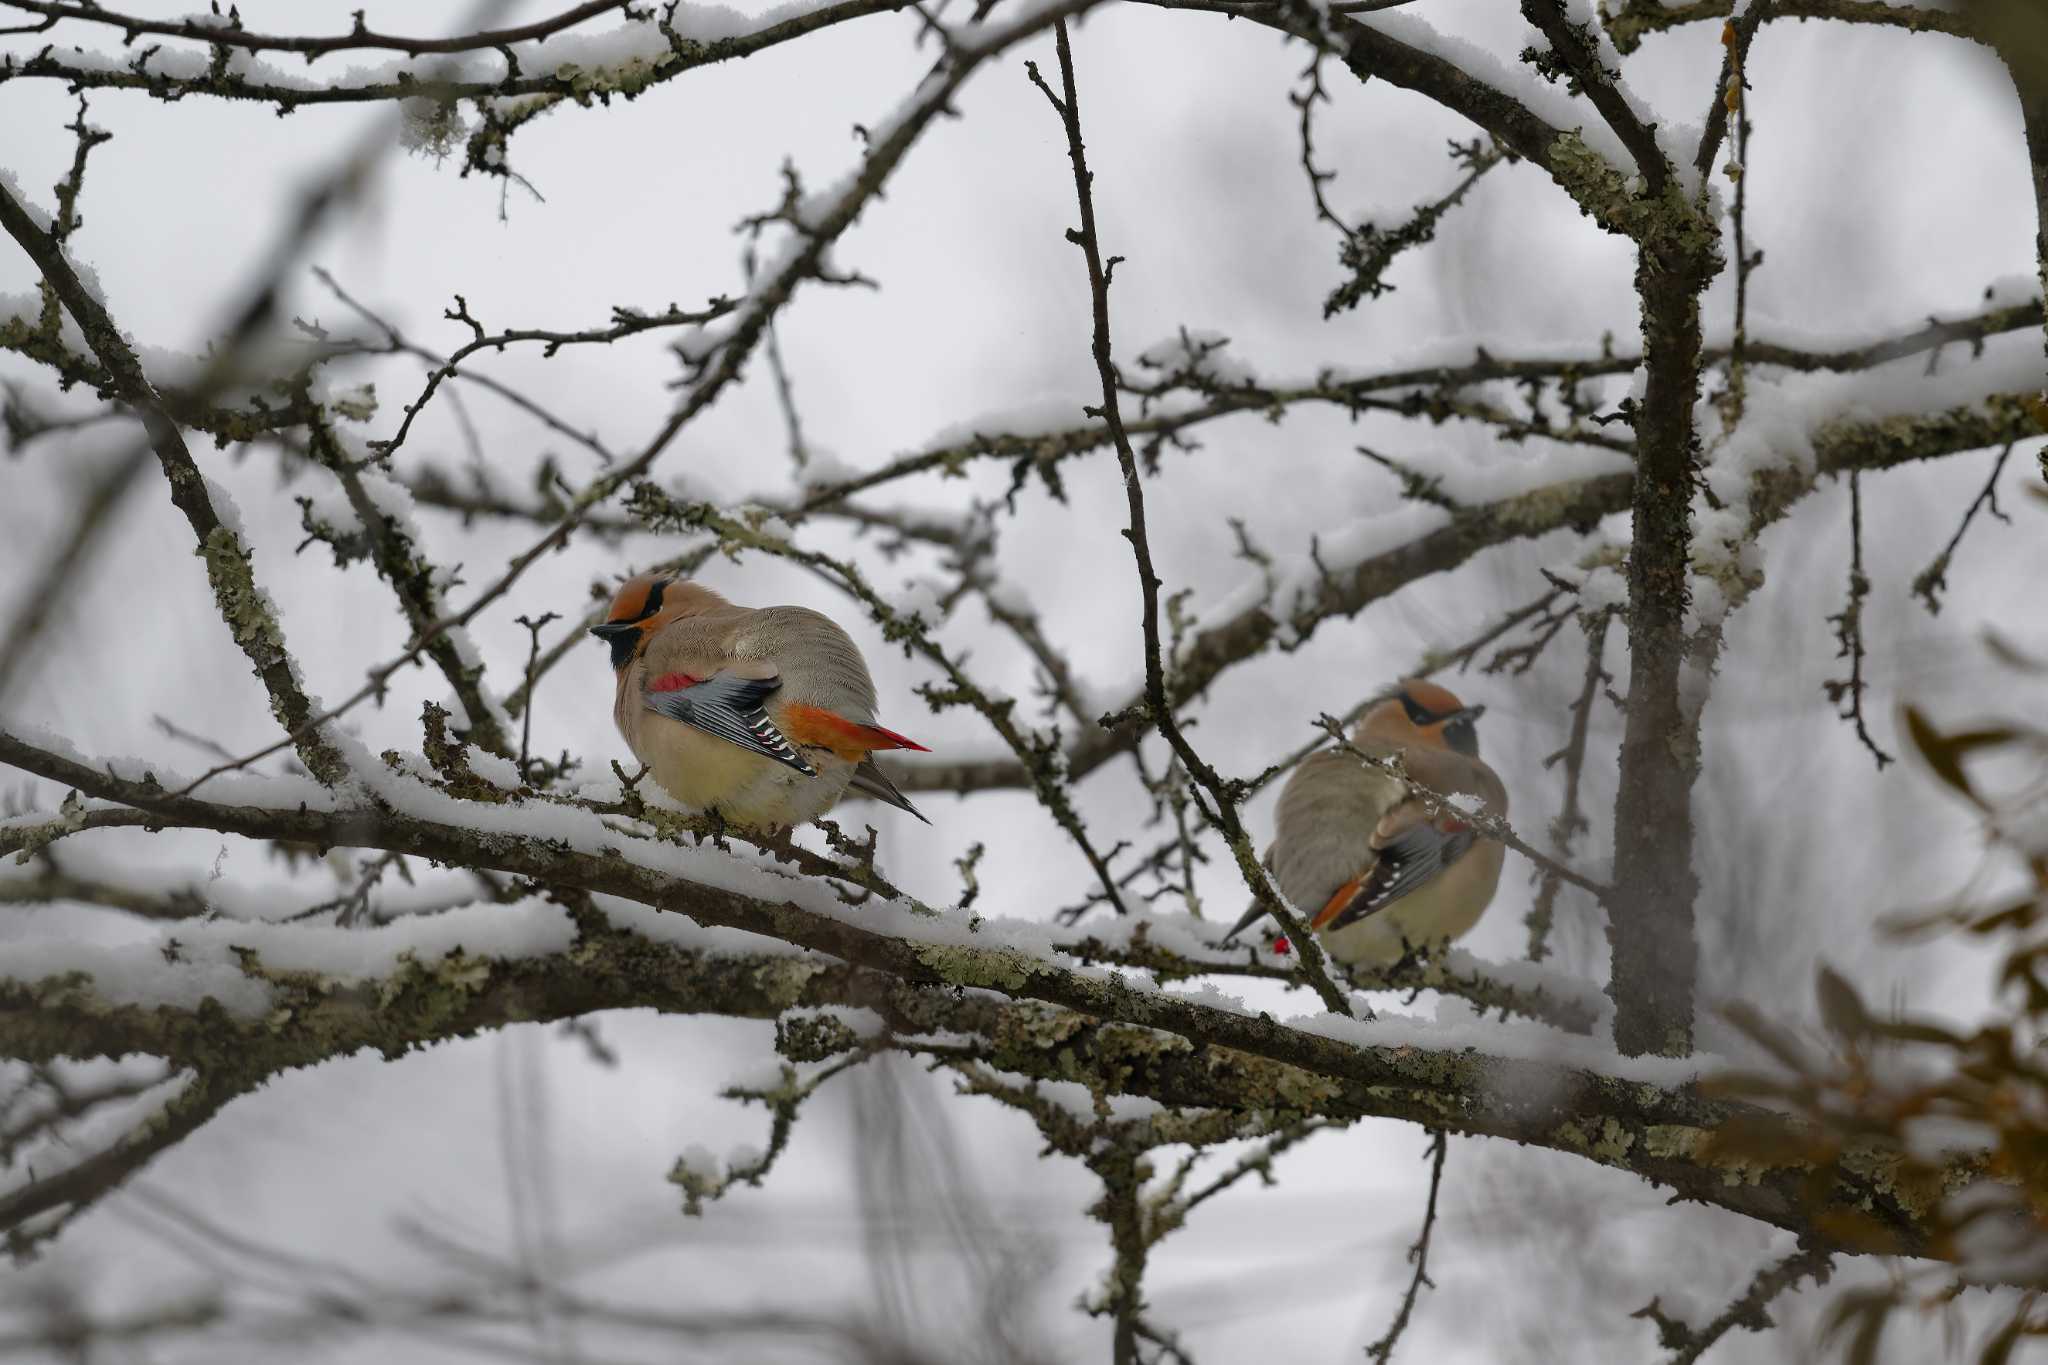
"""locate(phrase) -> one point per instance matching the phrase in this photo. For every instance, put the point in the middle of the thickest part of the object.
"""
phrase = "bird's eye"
(1418, 714)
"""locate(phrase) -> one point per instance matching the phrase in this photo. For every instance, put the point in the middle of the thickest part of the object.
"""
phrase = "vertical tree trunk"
(2026, 56)
(1650, 922)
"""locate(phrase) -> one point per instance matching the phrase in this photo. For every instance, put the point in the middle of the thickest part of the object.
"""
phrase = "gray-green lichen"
(1628, 207)
(245, 609)
(1604, 1139)
(998, 969)
(628, 77)
(782, 979)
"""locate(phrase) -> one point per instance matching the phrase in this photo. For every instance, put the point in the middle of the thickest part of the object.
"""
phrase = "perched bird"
(765, 716)
(1355, 847)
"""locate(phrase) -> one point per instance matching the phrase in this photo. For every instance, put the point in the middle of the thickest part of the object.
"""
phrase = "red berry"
(1282, 946)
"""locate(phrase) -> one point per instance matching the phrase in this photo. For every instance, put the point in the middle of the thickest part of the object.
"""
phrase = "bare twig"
(51, 591)
(61, 1196)
(1846, 694)
(1688, 1344)
(533, 630)
(1929, 582)
(1382, 1351)
(1159, 710)
(1728, 102)
(248, 616)
(799, 453)
(1571, 819)
(358, 39)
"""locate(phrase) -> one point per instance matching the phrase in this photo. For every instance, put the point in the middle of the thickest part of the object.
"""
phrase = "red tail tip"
(898, 740)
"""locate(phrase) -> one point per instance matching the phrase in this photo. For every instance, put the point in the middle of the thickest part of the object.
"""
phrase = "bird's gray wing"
(730, 707)
(1406, 862)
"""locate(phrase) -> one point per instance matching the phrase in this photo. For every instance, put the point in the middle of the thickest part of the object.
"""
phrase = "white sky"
(1888, 183)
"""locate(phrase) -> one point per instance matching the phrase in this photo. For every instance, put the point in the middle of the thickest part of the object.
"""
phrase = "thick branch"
(1639, 18)
(1236, 1060)
(1574, 46)
(564, 81)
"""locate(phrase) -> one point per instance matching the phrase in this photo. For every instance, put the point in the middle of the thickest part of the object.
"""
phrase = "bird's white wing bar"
(729, 706)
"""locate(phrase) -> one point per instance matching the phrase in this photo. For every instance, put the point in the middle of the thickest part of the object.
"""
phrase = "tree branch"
(231, 34)
(890, 962)
(247, 612)
(1158, 709)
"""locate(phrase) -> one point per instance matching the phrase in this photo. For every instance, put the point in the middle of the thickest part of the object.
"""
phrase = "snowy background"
(1887, 183)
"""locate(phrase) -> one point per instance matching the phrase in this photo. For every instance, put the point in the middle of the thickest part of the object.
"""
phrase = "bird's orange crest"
(1438, 701)
(636, 598)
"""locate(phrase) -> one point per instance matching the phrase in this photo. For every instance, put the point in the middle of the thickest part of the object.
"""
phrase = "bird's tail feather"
(830, 730)
(869, 780)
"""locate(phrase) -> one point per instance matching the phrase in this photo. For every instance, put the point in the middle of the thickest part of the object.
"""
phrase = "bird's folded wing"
(1406, 862)
(729, 706)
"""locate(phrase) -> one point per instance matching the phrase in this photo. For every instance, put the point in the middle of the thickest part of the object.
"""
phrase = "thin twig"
(1728, 102)
(1929, 582)
(246, 615)
(533, 629)
(1571, 819)
(358, 39)
(1382, 1351)
(54, 590)
(1747, 1312)
(785, 395)
(1847, 693)
(1160, 711)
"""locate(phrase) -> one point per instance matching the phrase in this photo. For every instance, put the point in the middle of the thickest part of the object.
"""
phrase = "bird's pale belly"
(703, 772)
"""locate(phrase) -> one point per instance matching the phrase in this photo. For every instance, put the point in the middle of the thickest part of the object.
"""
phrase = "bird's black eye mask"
(624, 636)
(1459, 734)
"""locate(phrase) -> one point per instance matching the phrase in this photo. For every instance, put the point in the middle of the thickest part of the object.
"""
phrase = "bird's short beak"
(612, 630)
(1468, 713)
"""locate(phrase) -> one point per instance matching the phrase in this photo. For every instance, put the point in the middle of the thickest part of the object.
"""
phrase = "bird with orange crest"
(1379, 869)
(763, 716)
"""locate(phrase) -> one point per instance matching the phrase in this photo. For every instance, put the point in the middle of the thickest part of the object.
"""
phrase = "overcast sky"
(1887, 182)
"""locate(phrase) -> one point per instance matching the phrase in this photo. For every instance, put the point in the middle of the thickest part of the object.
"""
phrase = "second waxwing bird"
(1356, 846)
(764, 716)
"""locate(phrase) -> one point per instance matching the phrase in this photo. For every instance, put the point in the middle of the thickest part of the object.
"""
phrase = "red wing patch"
(672, 682)
(814, 725)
